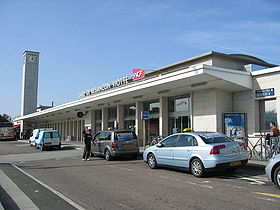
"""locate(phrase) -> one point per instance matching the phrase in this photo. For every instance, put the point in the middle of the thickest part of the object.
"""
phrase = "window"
(98, 114)
(55, 135)
(129, 111)
(185, 141)
(152, 107)
(179, 104)
(268, 114)
(97, 136)
(169, 141)
(47, 135)
(125, 135)
(215, 139)
(112, 113)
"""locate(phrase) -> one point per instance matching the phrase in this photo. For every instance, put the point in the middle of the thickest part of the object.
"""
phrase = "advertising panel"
(235, 125)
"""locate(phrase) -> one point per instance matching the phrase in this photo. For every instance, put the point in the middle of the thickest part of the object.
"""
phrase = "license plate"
(47, 143)
(235, 163)
(127, 145)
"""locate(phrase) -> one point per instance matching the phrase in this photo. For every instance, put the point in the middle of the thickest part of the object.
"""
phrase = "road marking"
(252, 181)
(267, 199)
(22, 200)
(51, 189)
(267, 194)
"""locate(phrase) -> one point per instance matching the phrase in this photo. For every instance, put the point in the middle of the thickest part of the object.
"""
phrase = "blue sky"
(85, 43)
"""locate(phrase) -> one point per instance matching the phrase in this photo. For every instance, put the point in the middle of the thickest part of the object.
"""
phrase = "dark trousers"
(86, 152)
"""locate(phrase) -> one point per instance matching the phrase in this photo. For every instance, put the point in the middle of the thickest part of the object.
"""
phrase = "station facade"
(230, 93)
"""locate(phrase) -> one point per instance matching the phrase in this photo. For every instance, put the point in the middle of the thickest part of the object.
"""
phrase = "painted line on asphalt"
(17, 195)
(267, 194)
(51, 189)
(266, 199)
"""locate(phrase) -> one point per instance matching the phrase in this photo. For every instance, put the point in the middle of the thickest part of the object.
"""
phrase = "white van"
(48, 139)
(35, 135)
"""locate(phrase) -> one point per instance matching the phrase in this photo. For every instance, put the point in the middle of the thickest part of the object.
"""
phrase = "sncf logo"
(138, 74)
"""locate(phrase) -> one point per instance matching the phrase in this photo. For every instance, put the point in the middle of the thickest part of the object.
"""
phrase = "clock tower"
(29, 82)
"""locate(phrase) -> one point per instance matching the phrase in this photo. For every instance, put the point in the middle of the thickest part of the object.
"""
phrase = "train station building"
(231, 93)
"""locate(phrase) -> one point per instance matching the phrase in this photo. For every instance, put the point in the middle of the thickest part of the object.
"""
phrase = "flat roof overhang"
(181, 82)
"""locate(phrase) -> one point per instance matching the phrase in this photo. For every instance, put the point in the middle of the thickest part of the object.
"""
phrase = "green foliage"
(5, 118)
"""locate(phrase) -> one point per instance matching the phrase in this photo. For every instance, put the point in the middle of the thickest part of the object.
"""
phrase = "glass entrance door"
(177, 124)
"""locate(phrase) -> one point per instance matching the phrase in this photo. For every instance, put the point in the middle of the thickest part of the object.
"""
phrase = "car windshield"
(212, 139)
(125, 135)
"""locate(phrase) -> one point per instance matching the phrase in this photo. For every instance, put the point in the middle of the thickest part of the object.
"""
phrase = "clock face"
(32, 58)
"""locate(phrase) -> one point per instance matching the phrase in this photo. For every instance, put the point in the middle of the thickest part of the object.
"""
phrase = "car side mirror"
(160, 145)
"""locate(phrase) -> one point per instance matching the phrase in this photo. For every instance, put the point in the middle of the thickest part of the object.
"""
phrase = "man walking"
(87, 142)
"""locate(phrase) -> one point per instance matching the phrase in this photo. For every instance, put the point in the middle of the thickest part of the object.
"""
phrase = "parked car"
(272, 170)
(115, 143)
(198, 152)
(48, 139)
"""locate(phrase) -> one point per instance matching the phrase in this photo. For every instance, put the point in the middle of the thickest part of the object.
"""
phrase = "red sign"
(138, 74)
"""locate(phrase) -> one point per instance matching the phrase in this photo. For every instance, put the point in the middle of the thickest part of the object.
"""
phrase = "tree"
(5, 118)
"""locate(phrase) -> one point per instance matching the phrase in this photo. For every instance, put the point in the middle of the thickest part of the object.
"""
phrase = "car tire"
(197, 168)
(107, 155)
(59, 147)
(151, 160)
(276, 177)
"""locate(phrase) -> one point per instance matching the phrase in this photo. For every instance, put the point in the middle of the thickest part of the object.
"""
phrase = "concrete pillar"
(163, 116)
(93, 126)
(139, 122)
(104, 123)
(75, 130)
(120, 116)
(78, 130)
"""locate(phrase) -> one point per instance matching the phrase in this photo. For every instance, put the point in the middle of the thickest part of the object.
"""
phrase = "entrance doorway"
(177, 124)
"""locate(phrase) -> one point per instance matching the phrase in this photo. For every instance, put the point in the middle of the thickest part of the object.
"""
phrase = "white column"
(163, 116)
(139, 122)
(278, 111)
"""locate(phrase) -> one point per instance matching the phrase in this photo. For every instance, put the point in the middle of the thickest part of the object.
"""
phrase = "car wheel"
(59, 147)
(152, 162)
(108, 156)
(276, 177)
(197, 168)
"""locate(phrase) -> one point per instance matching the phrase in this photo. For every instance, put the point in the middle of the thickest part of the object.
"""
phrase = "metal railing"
(261, 149)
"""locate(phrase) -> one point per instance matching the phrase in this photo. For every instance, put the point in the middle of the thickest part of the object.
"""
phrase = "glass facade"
(268, 113)
(129, 116)
(179, 114)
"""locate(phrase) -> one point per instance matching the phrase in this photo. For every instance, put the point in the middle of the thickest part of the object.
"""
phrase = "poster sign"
(235, 124)
(265, 92)
(145, 115)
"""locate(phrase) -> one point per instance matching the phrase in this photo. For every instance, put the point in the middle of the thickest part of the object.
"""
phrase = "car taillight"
(114, 145)
(242, 144)
(216, 149)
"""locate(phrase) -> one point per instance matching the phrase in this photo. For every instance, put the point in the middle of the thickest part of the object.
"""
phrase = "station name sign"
(137, 74)
(265, 92)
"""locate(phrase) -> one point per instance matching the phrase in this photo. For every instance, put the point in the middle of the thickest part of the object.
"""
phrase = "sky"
(86, 43)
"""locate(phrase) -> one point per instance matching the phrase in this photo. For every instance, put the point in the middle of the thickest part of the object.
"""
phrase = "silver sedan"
(272, 170)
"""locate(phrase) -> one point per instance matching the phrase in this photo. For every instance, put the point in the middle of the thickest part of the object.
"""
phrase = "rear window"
(213, 139)
(126, 135)
(55, 135)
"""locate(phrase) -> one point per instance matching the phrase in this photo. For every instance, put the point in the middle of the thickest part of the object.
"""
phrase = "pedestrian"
(87, 141)
(274, 132)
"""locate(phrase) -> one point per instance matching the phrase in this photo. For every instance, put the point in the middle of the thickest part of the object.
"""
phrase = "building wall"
(204, 110)
(244, 102)
(229, 63)
(223, 105)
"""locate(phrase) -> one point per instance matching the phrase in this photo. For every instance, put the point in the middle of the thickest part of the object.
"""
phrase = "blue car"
(198, 152)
